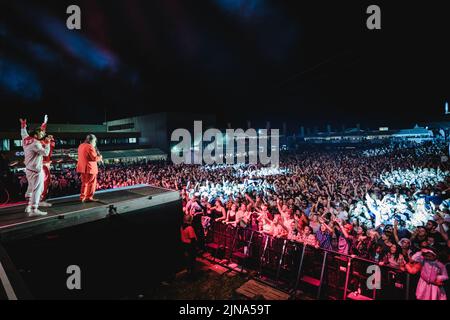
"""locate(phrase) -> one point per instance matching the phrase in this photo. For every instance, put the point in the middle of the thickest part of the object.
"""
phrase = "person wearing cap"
(34, 152)
(46, 162)
(432, 275)
(87, 168)
(345, 237)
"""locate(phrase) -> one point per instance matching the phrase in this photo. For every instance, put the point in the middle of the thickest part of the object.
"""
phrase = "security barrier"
(291, 266)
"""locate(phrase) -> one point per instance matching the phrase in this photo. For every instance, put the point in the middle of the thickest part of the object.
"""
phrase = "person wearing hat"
(345, 237)
(87, 167)
(432, 274)
(47, 161)
(34, 152)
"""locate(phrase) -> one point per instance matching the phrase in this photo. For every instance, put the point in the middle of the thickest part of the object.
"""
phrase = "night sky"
(310, 64)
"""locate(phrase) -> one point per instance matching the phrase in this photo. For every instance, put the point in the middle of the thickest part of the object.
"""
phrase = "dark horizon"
(310, 65)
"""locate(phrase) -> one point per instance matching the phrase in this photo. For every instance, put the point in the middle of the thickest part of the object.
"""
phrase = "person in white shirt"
(34, 152)
(46, 167)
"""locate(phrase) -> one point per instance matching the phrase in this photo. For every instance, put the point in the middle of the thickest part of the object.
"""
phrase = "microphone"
(99, 154)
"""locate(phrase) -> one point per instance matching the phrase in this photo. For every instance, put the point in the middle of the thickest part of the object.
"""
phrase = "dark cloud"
(312, 63)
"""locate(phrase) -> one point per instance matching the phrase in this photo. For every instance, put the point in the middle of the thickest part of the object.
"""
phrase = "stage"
(84, 233)
(69, 211)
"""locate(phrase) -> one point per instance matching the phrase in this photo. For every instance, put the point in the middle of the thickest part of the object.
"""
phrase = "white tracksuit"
(34, 153)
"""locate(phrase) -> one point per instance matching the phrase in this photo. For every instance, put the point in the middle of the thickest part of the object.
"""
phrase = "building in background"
(382, 135)
(114, 146)
(156, 129)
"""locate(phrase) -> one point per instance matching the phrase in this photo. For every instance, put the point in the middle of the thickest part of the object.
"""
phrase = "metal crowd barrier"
(293, 266)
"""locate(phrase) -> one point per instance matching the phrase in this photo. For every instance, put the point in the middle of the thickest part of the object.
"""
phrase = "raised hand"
(439, 283)
(438, 219)
(45, 118)
(23, 122)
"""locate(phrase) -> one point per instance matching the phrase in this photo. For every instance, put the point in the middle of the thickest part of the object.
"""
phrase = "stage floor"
(69, 211)
(86, 233)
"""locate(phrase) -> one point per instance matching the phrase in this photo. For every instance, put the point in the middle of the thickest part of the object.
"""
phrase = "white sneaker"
(44, 204)
(28, 209)
(37, 213)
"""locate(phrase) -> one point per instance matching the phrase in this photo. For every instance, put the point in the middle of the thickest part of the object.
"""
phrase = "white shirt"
(343, 215)
(34, 151)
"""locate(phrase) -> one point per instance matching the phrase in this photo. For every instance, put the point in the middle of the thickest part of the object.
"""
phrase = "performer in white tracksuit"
(43, 203)
(34, 153)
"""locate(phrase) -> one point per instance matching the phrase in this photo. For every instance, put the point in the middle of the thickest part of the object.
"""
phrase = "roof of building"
(364, 133)
(75, 135)
(133, 153)
(61, 127)
(414, 131)
(351, 133)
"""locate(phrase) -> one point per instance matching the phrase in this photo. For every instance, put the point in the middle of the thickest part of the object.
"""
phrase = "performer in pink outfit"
(432, 275)
(46, 162)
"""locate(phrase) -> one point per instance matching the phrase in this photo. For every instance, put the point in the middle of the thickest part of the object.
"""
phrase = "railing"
(290, 266)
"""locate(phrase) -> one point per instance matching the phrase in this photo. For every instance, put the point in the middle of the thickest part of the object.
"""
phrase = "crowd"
(389, 206)
(421, 177)
(67, 181)
(392, 207)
